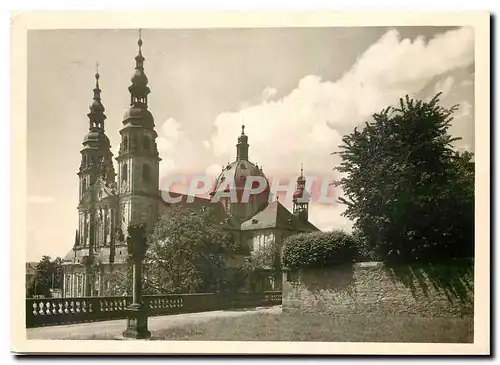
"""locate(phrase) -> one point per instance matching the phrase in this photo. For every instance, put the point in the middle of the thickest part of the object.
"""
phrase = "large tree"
(410, 194)
(48, 275)
(187, 253)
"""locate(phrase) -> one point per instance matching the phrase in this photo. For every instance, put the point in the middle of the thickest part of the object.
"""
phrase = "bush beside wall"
(427, 290)
(319, 250)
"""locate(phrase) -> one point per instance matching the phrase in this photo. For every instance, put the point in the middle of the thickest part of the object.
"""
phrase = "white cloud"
(468, 82)
(213, 170)
(329, 217)
(166, 168)
(173, 145)
(444, 86)
(465, 109)
(307, 124)
(169, 135)
(166, 165)
(268, 93)
(33, 199)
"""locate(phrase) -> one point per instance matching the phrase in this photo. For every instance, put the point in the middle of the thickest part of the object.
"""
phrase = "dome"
(96, 106)
(138, 113)
(98, 137)
(139, 78)
(236, 173)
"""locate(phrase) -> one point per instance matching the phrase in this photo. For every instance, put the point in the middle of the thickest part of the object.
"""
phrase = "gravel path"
(84, 331)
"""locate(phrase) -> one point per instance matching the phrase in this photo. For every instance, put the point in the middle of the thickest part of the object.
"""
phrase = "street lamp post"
(137, 316)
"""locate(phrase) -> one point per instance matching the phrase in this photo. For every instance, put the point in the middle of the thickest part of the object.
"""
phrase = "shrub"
(319, 250)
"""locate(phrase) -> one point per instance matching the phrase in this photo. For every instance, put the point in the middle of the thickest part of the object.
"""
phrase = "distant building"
(110, 201)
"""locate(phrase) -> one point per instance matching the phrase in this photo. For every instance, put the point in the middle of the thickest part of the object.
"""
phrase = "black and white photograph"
(295, 184)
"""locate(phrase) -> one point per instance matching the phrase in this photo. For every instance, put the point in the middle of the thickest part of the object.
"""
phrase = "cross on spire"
(139, 89)
(139, 42)
(97, 74)
(96, 115)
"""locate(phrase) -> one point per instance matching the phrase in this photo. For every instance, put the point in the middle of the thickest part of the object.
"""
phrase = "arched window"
(84, 161)
(146, 172)
(124, 172)
(145, 143)
(125, 143)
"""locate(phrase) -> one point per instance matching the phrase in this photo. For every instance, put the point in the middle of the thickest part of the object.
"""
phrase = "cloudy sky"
(298, 90)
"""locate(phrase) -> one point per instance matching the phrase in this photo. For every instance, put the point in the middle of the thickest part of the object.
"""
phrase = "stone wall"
(376, 288)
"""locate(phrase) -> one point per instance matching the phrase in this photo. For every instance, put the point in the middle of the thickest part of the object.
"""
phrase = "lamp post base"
(137, 323)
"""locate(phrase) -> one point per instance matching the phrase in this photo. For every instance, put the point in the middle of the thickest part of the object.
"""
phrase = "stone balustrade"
(56, 311)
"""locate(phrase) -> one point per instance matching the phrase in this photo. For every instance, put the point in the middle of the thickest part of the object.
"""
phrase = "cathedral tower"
(138, 158)
(96, 162)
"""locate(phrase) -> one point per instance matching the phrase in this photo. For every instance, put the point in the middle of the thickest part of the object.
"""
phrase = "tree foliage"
(319, 250)
(409, 192)
(265, 256)
(48, 275)
(262, 264)
(120, 281)
(187, 253)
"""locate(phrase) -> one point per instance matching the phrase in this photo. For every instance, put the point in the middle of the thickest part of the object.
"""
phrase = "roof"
(196, 203)
(235, 174)
(101, 254)
(76, 255)
(275, 215)
(184, 200)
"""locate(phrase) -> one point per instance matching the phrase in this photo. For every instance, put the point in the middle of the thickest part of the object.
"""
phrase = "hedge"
(319, 250)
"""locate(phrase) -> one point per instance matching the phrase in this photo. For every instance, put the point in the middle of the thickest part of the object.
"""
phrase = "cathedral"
(110, 200)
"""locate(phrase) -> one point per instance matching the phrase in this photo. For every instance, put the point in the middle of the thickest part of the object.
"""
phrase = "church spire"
(242, 146)
(96, 145)
(301, 180)
(96, 115)
(139, 90)
(301, 197)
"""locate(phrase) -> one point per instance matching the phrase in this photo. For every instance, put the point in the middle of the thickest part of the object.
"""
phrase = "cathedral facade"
(110, 201)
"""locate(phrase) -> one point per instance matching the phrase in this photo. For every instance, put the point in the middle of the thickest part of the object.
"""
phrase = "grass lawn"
(296, 327)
